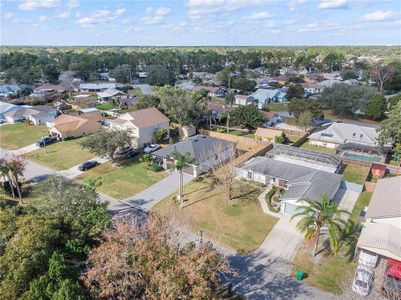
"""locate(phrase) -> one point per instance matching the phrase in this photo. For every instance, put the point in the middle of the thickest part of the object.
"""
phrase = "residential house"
(265, 96)
(111, 94)
(381, 233)
(207, 152)
(271, 118)
(214, 91)
(6, 107)
(242, 100)
(185, 85)
(47, 88)
(67, 126)
(88, 111)
(35, 114)
(310, 88)
(298, 182)
(8, 89)
(96, 87)
(143, 123)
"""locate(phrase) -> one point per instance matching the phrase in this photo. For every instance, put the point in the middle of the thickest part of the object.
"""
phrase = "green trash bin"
(300, 275)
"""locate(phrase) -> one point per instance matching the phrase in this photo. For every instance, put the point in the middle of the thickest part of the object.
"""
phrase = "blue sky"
(200, 22)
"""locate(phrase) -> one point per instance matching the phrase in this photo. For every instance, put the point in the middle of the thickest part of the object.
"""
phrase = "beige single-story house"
(75, 126)
(143, 123)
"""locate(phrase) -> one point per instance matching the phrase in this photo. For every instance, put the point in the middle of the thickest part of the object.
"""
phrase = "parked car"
(46, 141)
(368, 259)
(151, 148)
(391, 286)
(127, 152)
(2, 121)
(88, 165)
(363, 280)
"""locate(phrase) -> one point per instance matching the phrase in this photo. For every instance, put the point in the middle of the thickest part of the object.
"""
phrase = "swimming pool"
(360, 156)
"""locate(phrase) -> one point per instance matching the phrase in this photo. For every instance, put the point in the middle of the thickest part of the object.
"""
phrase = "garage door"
(290, 209)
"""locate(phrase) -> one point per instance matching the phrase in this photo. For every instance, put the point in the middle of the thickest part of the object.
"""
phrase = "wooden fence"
(248, 142)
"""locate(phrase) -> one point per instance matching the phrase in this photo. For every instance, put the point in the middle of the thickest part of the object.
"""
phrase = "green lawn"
(15, 136)
(356, 174)
(292, 138)
(242, 226)
(242, 133)
(308, 146)
(105, 106)
(125, 181)
(61, 155)
(277, 106)
(289, 121)
(326, 272)
(363, 200)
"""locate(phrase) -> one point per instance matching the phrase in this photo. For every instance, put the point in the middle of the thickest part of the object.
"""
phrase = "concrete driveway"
(148, 198)
(74, 171)
(26, 149)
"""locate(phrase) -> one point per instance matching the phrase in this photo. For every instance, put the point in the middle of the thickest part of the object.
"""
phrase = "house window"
(250, 175)
(216, 157)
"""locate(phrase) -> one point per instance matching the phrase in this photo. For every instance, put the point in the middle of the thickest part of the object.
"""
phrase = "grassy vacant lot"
(355, 174)
(363, 200)
(61, 155)
(15, 136)
(326, 272)
(241, 226)
(277, 106)
(127, 180)
(308, 146)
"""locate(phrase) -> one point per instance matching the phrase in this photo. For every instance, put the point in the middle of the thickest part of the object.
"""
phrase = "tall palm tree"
(181, 162)
(229, 100)
(317, 214)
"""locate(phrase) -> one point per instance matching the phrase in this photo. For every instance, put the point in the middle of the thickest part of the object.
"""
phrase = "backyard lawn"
(356, 174)
(327, 272)
(15, 136)
(363, 200)
(242, 226)
(61, 155)
(292, 138)
(125, 181)
(308, 146)
(277, 106)
(242, 133)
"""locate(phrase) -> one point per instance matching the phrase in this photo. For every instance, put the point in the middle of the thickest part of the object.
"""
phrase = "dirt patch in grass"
(242, 226)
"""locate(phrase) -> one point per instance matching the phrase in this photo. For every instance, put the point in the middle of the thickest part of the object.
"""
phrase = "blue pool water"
(365, 157)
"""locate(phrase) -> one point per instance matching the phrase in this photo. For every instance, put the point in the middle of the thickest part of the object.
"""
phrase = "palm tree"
(317, 214)
(229, 100)
(181, 162)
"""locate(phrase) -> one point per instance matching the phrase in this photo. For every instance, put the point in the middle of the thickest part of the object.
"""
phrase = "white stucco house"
(143, 123)
(206, 151)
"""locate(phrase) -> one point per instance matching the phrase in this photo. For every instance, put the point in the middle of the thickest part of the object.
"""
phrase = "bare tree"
(67, 81)
(382, 73)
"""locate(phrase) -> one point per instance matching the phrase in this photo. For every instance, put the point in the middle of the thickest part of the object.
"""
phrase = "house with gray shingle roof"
(299, 182)
(207, 152)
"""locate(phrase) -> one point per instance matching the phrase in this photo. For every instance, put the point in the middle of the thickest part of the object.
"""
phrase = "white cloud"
(201, 8)
(43, 18)
(38, 4)
(99, 16)
(152, 20)
(294, 3)
(327, 4)
(8, 16)
(162, 11)
(259, 16)
(379, 15)
(149, 10)
(72, 3)
(125, 21)
(63, 15)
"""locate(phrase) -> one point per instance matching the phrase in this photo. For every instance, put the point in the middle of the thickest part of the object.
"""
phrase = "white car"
(151, 148)
(363, 280)
(368, 259)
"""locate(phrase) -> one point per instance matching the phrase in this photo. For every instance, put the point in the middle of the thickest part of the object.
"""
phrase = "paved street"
(145, 88)
(148, 198)
(74, 172)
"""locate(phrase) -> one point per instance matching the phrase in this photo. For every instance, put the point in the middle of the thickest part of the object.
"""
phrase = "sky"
(200, 22)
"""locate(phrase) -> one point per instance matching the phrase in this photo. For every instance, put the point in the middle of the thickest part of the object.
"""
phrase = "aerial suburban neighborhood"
(197, 149)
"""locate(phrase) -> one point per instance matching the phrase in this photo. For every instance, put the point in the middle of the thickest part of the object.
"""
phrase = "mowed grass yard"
(61, 155)
(356, 174)
(126, 180)
(308, 146)
(361, 203)
(241, 226)
(15, 136)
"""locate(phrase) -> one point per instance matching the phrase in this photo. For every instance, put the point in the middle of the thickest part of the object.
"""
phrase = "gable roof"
(67, 123)
(146, 117)
(110, 93)
(341, 133)
(386, 199)
(4, 107)
(97, 86)
(303, 182)
(200, 147)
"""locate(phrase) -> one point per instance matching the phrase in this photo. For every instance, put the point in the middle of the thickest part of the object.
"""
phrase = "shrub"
(221, 130)
(268, 199)
(155, 167)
